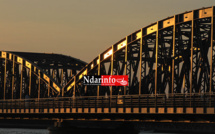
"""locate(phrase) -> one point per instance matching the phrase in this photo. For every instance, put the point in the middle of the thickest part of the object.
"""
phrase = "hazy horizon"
(80, 28)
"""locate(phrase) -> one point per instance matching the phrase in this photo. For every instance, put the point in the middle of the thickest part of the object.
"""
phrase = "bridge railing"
(119, 101)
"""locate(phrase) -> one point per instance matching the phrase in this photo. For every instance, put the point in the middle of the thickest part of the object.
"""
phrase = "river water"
(44, 131)
(23, 131)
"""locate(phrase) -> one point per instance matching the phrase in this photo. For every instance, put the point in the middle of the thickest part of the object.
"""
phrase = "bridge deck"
(144, 104)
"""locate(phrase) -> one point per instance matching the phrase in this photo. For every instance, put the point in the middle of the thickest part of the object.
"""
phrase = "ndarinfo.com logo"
(106, 80)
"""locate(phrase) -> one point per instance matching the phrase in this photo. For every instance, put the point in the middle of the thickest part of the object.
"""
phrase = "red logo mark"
(114, 80)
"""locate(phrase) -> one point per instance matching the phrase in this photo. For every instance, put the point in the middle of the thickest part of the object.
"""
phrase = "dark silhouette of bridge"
(171, 73)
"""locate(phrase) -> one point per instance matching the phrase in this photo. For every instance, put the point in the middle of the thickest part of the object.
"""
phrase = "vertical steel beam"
(126, 59)
(62, 77)
(21, 78)
(70, 74)
(5, 75)
(74, 87)
(62, 81)
(58, 78)
(141, 50)
(173, 55)
(85, 86)
(99, 73)
(53, 74)
(49, 88)
(13, 73)
(191, 56)
(29, 93)
(156, 57)
(111, 88)
(211, 62)
(39, 77)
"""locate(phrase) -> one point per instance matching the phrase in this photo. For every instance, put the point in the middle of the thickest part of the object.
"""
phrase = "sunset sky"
(80, 28)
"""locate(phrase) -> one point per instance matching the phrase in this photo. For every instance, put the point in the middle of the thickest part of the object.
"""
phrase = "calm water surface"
(23, 131)
(44, 131)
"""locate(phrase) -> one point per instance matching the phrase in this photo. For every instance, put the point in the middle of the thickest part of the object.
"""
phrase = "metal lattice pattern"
(173, 55)
(35, 75)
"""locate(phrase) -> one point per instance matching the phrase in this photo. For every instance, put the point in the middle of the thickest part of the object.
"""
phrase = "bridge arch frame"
(166, 46)
(22, 76)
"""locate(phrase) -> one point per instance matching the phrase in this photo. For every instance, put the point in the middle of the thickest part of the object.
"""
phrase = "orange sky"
(80, 28)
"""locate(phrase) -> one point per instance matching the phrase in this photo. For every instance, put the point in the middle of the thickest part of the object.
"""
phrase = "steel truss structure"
(173, 55)
(35, 75)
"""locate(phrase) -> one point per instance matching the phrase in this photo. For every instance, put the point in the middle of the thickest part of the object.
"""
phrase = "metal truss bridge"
(170, 66)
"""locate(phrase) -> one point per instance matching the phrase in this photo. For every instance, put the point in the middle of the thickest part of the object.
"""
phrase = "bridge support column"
(127, 128)
(58, 128)
(94, 127)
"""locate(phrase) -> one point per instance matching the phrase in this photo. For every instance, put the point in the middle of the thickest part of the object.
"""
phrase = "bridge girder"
(173, 55)
(35, 75)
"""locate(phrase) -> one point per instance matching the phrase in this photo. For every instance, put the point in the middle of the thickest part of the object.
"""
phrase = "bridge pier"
(61, 127)
(127, 128)
(58, 128)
